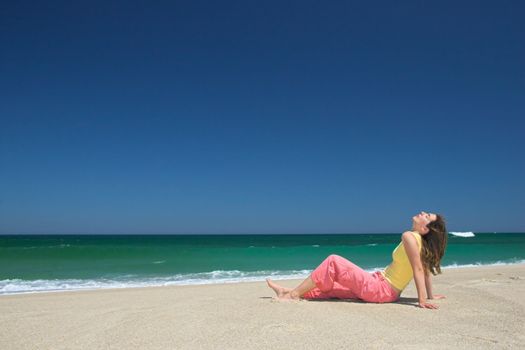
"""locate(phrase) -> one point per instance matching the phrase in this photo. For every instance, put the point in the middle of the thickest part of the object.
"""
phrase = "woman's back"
(399, 273)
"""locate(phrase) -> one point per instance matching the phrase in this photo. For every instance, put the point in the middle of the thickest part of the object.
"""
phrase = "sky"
(215, 117)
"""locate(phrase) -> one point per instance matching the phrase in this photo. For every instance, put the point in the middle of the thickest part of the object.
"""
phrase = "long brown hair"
(434, 245)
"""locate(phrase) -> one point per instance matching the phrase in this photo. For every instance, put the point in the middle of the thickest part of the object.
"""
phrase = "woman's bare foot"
(291, 295)
(282, 293)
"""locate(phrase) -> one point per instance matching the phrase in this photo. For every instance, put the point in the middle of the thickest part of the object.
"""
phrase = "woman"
(418, 255)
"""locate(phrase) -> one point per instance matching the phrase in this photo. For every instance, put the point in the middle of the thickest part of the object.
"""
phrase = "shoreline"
(206, 283)
(483, 309)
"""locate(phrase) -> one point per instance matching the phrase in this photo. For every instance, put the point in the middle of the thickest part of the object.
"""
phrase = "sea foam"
(18, 286)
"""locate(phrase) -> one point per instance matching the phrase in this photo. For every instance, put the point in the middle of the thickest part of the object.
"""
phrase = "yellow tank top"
(399, 273)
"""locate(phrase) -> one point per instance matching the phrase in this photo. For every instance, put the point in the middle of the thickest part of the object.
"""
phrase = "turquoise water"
(68, 262)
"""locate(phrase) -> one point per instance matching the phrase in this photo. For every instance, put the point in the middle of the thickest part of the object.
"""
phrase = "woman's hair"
(434, 245)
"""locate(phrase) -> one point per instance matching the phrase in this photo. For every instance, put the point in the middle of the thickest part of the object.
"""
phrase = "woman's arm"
(412, 250)
(428, 285)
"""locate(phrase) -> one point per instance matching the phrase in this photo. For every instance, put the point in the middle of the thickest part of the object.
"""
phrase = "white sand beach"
(484, 309)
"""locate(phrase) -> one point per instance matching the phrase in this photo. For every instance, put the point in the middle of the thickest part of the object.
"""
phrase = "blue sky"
(261, 117)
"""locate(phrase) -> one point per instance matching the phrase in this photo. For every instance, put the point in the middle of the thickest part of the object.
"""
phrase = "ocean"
(38, 263)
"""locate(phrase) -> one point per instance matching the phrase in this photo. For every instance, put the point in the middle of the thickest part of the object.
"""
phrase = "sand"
(484, 308)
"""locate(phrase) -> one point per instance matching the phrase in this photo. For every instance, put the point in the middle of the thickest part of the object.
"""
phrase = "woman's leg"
(338, 291)
(288, 293)
(338, 277)
(278, 289)
(328, 280)
(307, 285)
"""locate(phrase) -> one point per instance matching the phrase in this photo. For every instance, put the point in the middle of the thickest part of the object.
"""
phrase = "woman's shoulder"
(410, 234)
(411, 237)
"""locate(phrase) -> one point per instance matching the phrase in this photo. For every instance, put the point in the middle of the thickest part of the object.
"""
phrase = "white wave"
(462, 234)
(315, 245)
(371, 245)
(159, 262)
(480, 264)
(18, 286)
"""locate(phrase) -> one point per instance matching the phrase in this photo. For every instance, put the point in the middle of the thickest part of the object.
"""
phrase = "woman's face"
(421, 221)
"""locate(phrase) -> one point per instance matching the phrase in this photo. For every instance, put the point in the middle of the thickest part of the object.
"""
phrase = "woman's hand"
(425, 305)
(438, 296)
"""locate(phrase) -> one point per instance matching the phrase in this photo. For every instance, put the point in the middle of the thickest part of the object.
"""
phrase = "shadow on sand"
(401, 300)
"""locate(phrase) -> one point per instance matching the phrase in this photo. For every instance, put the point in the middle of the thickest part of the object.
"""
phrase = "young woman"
(418, 255)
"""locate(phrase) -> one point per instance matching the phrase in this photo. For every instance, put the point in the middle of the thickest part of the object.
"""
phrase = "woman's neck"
(415, 230)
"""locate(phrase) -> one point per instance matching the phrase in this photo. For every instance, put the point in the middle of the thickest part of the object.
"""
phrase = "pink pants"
(339, 278)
